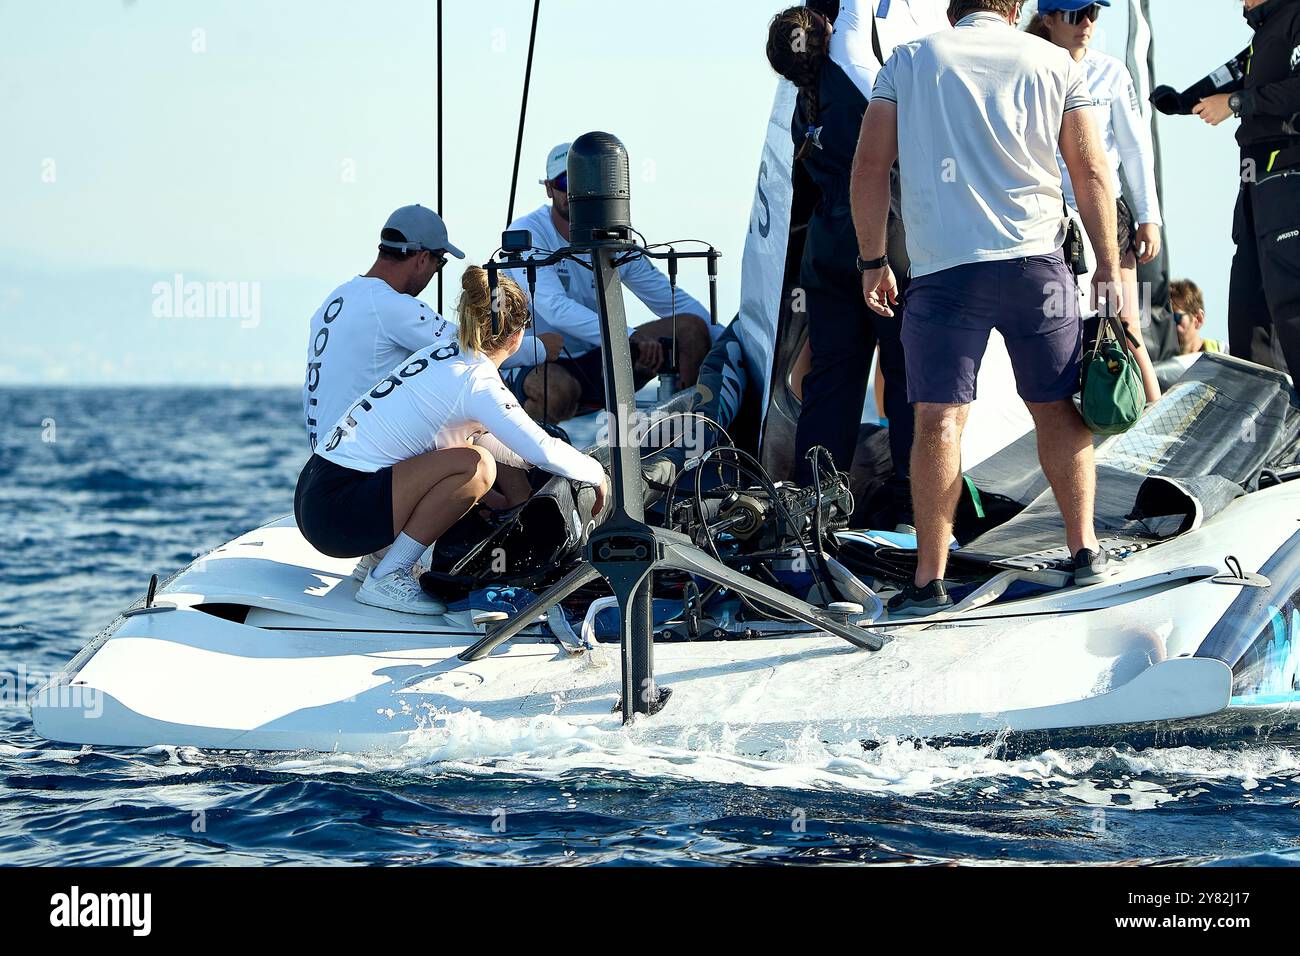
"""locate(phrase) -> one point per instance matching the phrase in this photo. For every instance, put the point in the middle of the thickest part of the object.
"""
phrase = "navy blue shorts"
(344, 513)
(588, 369)
(1033, 302)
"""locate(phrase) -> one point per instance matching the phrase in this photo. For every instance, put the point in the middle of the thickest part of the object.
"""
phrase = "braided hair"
(798, 42)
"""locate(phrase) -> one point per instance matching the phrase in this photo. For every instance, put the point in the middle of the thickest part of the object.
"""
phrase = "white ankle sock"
(402, 553)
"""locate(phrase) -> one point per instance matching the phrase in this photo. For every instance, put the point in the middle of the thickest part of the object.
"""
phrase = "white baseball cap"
(557, 163)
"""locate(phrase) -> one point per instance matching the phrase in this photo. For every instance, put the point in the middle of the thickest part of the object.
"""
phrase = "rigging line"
(523, 113)
(441, 208)
(510, 217)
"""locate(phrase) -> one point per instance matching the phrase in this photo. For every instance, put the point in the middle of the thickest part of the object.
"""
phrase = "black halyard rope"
(441, 208)
(523, 113)
(510, 217)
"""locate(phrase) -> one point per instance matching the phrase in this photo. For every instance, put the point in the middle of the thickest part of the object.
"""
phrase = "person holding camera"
(1261, 88)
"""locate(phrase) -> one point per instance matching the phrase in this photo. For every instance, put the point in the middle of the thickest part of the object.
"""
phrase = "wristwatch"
(1234, 104)
(865, 265)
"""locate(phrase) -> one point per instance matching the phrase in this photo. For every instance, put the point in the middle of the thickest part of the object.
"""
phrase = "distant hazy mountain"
(122, 326)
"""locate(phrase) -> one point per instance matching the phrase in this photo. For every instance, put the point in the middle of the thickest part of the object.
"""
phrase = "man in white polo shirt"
(975, 116)
(565, 303)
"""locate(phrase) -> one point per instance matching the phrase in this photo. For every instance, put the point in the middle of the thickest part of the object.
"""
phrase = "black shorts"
(1127, 234)
(344, 513)
(589, 371)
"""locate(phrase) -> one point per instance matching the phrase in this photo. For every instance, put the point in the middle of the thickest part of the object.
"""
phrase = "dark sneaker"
(915, 602)
(1092, 567)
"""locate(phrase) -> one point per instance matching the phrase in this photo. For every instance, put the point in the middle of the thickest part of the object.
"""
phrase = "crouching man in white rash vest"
(414, 454)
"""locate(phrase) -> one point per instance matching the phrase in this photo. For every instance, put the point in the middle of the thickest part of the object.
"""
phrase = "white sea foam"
(550, 748)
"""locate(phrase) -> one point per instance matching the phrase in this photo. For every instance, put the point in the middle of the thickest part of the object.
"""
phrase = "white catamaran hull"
(266, 649)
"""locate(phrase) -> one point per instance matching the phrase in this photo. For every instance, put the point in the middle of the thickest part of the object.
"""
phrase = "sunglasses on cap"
(561, 182)
(1089, 13)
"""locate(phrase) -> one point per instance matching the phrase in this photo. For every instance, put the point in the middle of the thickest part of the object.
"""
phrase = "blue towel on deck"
(509, 600)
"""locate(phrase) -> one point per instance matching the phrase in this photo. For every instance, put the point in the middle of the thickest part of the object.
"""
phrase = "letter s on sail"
(764, 222)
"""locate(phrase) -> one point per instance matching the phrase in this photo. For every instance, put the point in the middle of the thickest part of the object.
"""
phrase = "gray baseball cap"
(422, 228)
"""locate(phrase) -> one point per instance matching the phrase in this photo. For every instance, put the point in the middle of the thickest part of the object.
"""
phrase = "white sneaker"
(399, 591)
(371, 561)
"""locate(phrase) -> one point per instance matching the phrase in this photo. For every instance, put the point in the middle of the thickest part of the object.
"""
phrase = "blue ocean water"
(99, 488)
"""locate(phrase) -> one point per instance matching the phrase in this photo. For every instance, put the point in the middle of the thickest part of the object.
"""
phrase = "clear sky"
(261, 145)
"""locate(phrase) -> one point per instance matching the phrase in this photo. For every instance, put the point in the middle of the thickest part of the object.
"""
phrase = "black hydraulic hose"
(546, 362)
(523, 113)
(745, 462)
(672, 284)
(813, 456)
(817, 490)
(713, 286)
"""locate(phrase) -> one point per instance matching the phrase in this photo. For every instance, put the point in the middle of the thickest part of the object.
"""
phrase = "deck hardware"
(1239, 577)
(562, 631)
(149, 607)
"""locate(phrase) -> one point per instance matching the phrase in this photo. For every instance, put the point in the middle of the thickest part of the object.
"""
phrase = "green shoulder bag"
(1113, 395)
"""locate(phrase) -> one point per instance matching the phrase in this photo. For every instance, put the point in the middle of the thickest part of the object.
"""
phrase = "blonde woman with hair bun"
(418, 451)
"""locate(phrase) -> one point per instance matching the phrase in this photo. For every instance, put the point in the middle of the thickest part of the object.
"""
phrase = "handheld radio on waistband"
(1076, 253)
